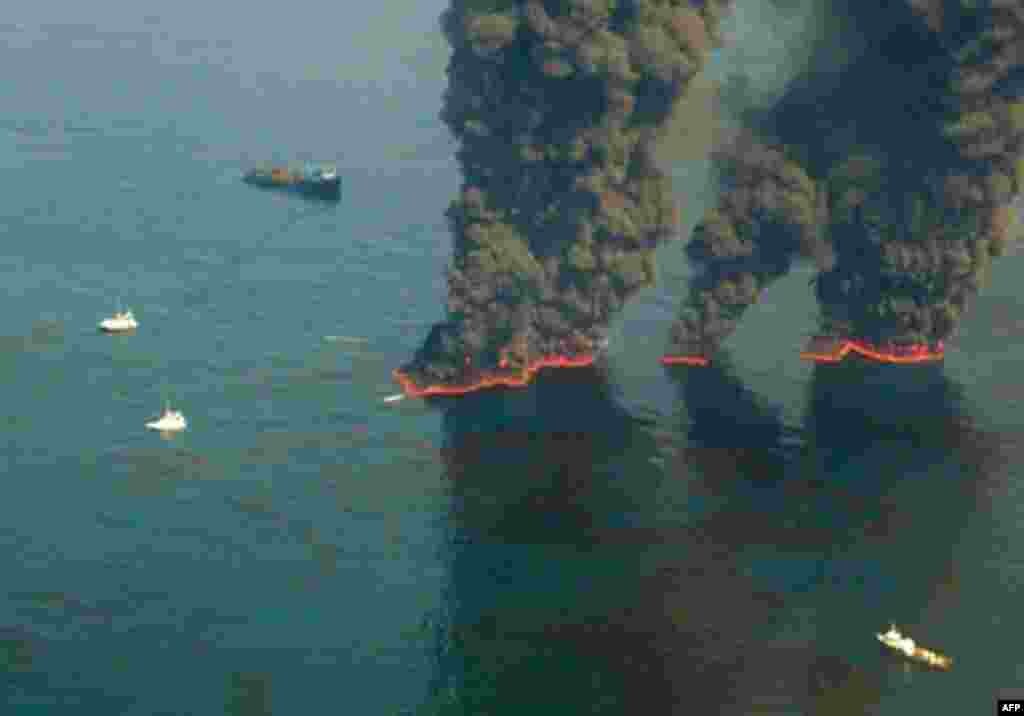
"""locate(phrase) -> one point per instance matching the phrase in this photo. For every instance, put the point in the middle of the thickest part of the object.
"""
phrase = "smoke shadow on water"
(714, 561)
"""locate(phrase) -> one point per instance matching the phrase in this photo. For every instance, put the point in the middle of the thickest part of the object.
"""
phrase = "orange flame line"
(522, 378)
(519, 379)
(919, 353)
(700, 361)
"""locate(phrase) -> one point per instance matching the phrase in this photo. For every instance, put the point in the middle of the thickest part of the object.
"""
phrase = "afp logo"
(1010, 706)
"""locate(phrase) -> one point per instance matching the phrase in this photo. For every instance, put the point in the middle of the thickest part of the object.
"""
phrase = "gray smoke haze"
(900, 191)
(766, 45)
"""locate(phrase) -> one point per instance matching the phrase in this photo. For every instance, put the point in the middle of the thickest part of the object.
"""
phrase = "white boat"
(906, 646)
(895, 640)
(120, 322)
(171, 421)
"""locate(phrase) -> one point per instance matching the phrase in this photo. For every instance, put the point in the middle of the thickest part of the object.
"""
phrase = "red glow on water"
(513, 379)
(699, 361)
(839, 349)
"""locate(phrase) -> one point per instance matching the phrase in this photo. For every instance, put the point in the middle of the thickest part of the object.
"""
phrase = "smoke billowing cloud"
(884, 143)
(897, 174)
(556, 107)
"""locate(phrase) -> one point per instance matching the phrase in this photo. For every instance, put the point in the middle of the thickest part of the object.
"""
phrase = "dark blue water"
(625, 540)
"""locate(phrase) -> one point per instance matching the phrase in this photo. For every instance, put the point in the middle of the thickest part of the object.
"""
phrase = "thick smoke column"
(556, 107)
(771, 214)
(902, 205)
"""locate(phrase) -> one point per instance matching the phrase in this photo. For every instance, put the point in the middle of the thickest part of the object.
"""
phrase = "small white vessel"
(171, 421)
(394, 398)
(894, 640)
(906, 646)
(120, 322)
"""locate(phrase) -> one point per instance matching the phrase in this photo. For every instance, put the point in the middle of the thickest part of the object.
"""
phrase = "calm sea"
(622, 540)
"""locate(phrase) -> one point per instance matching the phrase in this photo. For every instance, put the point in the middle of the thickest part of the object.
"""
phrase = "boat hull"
(917, 654)
(117, 326)
(166, 426)
(323, 189)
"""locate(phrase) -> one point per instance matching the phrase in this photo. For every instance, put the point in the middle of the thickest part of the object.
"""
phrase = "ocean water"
(619, 540)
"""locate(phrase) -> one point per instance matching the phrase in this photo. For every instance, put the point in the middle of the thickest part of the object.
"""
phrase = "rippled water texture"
(620, 539)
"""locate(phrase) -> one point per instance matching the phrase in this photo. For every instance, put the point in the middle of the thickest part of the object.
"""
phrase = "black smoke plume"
(898, 176)
(556, 106)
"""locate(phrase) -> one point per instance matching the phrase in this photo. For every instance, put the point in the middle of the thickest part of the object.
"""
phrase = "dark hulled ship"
(316, 182)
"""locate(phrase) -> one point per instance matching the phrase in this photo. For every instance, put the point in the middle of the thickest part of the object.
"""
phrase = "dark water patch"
(67, 647)
(126, 125)
(780, 550)
(149, 468)
(18, 649)
(256, 506)
(133, 612)
(113, 521)
(326, 371)
(36, 681)
(44, 148)
(322, 375)
(35, 127)
(52, 600)
(80, 127)
(281, 446)
(277, 526)
(43, 335)
(249, 694)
